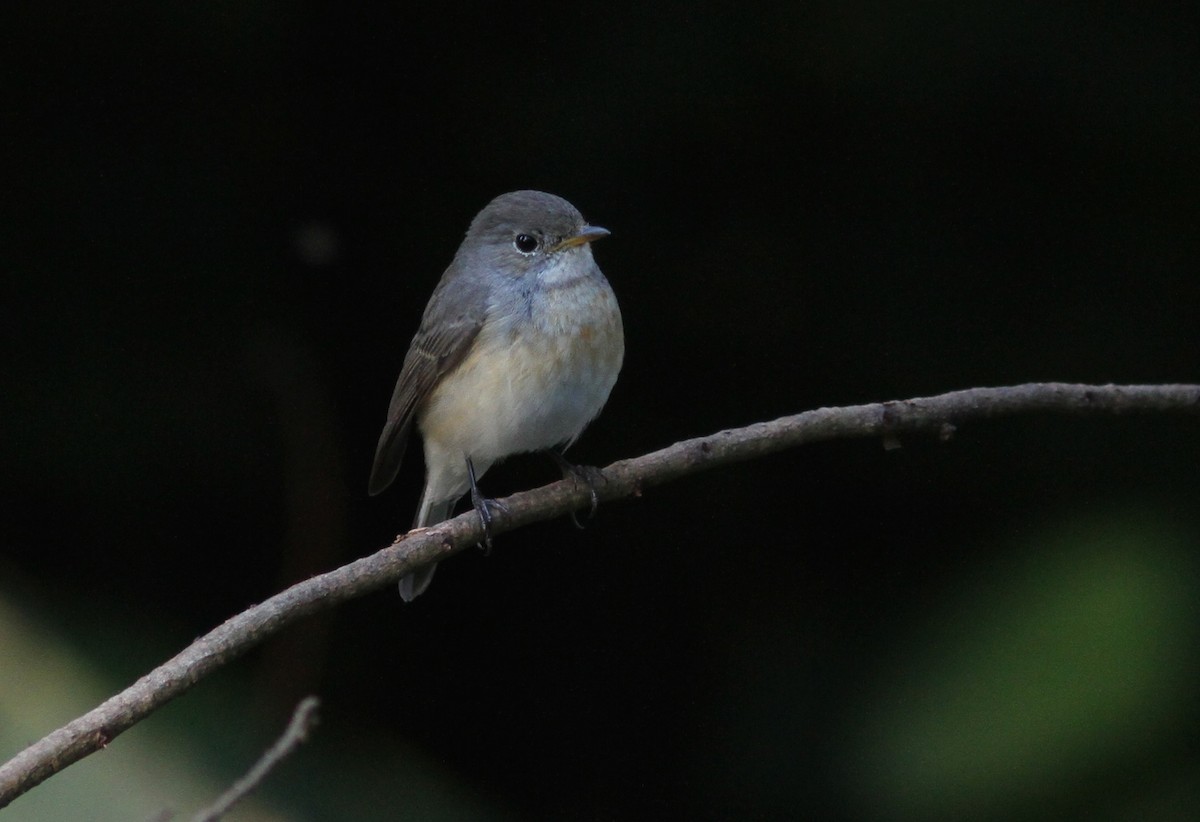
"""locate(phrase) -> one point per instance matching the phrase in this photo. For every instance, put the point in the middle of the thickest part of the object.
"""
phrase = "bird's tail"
(431, 512)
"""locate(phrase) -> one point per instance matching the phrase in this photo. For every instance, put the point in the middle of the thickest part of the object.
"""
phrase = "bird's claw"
(590, 476)
(484, 506)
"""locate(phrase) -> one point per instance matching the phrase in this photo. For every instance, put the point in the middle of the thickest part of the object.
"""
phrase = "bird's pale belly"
(534, 384)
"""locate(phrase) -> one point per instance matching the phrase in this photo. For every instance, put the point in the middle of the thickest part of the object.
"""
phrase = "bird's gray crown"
(534, 212)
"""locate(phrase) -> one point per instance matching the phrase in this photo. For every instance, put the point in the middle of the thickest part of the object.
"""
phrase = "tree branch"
(620, 480)
(302, 721)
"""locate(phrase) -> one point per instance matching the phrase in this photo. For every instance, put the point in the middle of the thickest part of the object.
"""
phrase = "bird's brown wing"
(441, 344)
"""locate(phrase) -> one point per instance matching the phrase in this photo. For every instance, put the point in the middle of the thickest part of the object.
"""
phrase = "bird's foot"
(588, 475)
(485, 506)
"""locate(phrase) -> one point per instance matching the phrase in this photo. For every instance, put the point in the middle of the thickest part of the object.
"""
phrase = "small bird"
(517, 351)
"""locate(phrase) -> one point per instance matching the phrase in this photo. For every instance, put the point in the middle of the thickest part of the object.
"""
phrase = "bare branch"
(303, 720)
(627, 478)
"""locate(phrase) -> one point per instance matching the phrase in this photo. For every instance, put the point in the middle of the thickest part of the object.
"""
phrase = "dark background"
(221, 224)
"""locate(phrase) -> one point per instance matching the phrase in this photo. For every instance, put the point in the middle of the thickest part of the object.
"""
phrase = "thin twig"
(627, 478)
(303, 720)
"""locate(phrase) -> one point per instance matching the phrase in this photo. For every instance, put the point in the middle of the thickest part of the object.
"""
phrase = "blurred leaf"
(1072, 659)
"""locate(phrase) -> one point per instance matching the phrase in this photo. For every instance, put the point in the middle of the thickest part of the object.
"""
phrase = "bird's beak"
(587, 234)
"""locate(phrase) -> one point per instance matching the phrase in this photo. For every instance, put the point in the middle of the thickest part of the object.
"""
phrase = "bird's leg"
(587, 474)
(483, 507)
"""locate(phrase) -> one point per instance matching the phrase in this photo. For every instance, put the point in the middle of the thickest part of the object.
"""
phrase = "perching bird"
(518, 350)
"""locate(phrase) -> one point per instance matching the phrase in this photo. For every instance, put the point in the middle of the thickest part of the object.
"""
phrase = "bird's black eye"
(525, 243)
